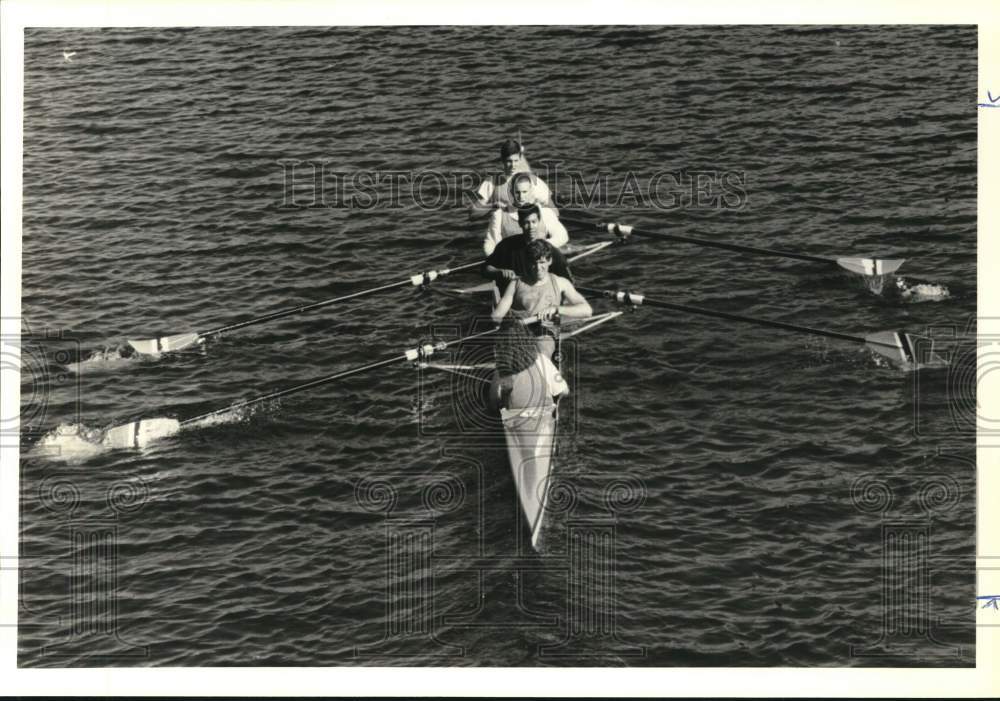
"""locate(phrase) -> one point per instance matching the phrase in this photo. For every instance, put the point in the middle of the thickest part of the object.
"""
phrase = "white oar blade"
(165, 344)
(139, 434)
(897, 346)
(871, 266)
(146, 346)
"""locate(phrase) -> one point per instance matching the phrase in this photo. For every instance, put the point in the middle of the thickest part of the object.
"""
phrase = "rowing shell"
(531, 432)
(531, 444)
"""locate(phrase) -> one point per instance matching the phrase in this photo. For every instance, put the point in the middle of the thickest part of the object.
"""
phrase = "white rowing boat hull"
(530, 432)
(531, 441)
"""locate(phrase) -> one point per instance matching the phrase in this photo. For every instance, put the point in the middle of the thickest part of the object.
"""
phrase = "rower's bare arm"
(577, 306)
(494, 232)
(497, 274)
(483, 205)
(503, 306)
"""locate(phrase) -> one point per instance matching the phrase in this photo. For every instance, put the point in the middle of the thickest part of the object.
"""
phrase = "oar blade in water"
(871, 266)
(139, 434)
(897, 346)
(165, 344)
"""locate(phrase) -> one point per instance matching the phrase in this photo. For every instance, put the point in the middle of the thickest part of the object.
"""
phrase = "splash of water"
(240, 414)
(78, 442)
(71, 443)
(931, 362)
(921, 291)
(875, 283)
(105, 359)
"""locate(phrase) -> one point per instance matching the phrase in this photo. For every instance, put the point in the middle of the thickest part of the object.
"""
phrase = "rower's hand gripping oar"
(139, 434)
(869, 267)
(167, 344)
(897, 346)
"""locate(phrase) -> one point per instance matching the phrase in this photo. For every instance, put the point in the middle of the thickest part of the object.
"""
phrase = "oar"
(141, 433)
(167, 344)
(894, 345)
(861, 266)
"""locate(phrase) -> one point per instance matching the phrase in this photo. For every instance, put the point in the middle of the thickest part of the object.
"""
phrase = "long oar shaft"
(299, 388)
(327, 302)
(622, 230)
(304, 308)
(411, 355)
(626, 298)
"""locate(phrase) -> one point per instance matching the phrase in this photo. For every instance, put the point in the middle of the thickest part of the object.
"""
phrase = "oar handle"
(416, 280)
(634, 299)
(623, 231)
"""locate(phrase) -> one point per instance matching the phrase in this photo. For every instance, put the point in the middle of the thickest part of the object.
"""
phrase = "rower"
(493, 192)
(505, 221)
(506, 262)
(543, 294)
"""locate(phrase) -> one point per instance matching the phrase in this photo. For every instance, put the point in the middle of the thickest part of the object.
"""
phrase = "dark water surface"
(728, 494)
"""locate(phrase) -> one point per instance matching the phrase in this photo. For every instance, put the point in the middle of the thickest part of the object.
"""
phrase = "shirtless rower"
(505, 221)
(493, 192)
(542, 293)
(507, 260)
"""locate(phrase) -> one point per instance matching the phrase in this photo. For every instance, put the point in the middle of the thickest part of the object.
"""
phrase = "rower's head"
(538, 256)
(530, 219)
(522, 189)
(511, 156)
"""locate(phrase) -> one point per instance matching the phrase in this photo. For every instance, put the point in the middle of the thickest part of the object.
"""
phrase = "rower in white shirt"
(494, 192)
(504, 221)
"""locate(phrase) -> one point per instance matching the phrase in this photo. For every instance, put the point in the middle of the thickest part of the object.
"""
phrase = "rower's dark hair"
(515, 348)
(539, 249)
(524, 212)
